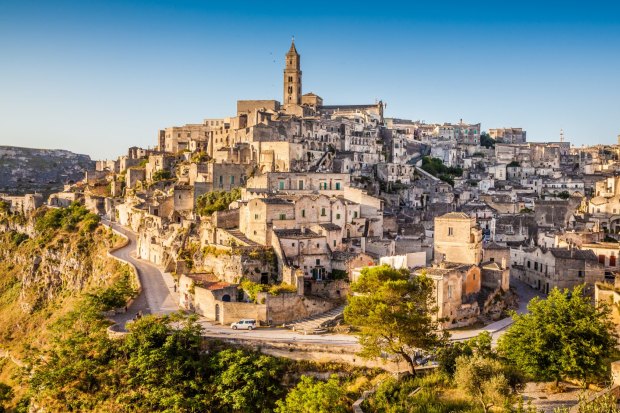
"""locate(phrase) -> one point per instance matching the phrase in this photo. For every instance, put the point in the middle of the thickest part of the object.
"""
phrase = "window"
(318, 261)
(601, 259)
(303, 213)
(450, 231)
(282, 216)
(337, 216)
(232, 180)
(449, 291)
(354, 214)
(580, 273)
(317, 245)
(322, 212)
(337, 186)
(256, 216)
(334, 243)
(300, 184)
(293, 244)
(536, 266)
(281, 185)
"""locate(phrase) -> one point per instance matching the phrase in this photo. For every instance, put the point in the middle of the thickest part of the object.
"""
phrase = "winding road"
(158, 296)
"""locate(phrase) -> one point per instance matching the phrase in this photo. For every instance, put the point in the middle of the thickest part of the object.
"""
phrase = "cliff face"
(41, 273)
(27, 170)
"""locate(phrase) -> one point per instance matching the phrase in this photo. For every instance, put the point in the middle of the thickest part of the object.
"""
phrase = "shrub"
(162, 175)
(214, 201)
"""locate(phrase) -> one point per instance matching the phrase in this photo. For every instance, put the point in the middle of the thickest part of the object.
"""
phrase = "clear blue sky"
(98, 76)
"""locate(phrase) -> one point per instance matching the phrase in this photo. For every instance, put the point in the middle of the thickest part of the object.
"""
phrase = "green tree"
(479, 345)
(483, 380)
(245, 382)
(561, 336)
(486, 140)
(395, 313)
(315, 396)
(6, 394)
(165, 364)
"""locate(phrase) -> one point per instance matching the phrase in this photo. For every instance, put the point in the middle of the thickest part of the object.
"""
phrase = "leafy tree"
(486, 140)
(483, 380)
(395, 314)
(563, 195)
(514, 164)
(479, 345)
(165, 364)
(245, 382)
(315, 396)
(561, 336)
(6, 394)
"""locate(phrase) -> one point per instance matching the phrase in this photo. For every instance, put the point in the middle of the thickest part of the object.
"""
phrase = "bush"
(214, 201)
(162, 175)
(282, 289)
(66, 218)
(316, 396)
(117, 295)
(252, 289)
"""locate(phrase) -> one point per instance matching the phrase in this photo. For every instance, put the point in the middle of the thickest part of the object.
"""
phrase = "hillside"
(28, 170)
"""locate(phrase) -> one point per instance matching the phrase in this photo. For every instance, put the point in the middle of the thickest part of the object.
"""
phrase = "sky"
(96, 77)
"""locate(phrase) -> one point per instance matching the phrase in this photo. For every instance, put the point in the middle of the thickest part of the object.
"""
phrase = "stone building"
(508, 135)
(456, 287)
(545, 269)
(458, 239)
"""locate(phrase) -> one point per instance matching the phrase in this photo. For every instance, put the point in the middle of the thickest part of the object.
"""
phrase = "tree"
(395, 314)
(483, 380)
(561, 336)
(244, 381)
(486, 140)
(6, 394)
(479, 345)
(315, 396)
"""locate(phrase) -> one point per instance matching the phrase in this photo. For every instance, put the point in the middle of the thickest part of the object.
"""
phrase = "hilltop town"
(280, 215)
(271, 213)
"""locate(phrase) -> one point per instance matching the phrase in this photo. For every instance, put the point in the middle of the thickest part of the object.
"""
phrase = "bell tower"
(292, 77)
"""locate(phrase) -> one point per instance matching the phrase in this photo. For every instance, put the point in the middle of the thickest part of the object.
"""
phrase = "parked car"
(248, 324)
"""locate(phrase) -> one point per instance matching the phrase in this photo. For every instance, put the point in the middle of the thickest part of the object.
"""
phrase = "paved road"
(525, 294)
(157, 296)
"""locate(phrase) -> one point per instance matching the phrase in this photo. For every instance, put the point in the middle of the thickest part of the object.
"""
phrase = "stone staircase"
(316, 324)
(241, 237)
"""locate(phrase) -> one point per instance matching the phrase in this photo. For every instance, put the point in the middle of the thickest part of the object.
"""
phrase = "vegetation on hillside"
(214, 201)
(75, 216)
(436, 167)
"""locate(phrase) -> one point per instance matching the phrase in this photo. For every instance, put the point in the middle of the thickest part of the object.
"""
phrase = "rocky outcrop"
(48, 268)
(27, 170)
